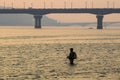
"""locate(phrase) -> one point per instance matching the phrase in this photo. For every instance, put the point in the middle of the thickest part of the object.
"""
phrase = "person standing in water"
(72, 56)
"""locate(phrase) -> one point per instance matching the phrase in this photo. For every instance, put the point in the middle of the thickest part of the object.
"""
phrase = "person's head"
(71, 49)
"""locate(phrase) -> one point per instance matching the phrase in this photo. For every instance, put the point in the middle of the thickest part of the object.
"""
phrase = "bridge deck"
(102, 11)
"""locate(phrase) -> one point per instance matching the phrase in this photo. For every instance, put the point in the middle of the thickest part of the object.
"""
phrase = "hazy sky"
(61, 4)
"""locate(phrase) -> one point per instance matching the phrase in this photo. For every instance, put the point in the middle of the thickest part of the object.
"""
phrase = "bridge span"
(38, 13)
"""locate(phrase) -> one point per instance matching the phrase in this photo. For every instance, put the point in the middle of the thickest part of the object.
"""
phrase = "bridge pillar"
(38, 21)
(99, 21)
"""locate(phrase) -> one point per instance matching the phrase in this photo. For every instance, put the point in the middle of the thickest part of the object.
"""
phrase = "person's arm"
(75, 55)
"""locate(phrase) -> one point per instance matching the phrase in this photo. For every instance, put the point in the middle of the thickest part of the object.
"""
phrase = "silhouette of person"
(72, 56)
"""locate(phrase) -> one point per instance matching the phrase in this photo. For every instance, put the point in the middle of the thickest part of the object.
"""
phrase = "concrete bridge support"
(38, 21)
(99, 21)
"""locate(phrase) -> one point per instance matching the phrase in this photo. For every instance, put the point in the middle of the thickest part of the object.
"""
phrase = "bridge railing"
(43, 4)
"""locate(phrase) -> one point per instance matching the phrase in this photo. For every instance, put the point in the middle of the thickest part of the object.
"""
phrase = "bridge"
(38, 13)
